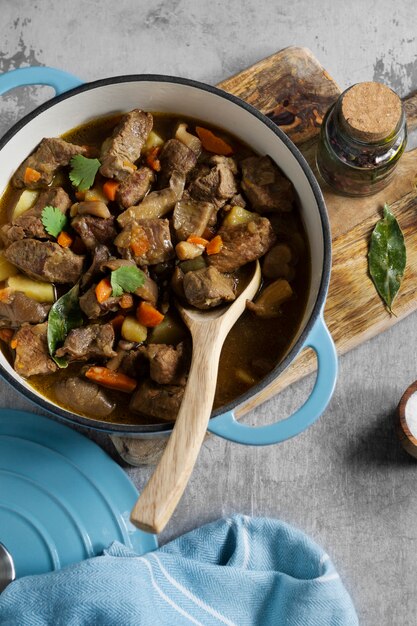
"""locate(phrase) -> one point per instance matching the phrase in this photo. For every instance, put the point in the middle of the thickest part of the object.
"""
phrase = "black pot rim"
(165, 428)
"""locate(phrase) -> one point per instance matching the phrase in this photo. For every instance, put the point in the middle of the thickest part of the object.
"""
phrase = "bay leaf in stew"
(65, 314)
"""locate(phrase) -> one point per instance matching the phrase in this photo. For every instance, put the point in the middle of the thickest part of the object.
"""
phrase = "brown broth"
(256, 345)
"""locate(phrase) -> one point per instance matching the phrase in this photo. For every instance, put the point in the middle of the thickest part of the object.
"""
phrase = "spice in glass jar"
(362, 137)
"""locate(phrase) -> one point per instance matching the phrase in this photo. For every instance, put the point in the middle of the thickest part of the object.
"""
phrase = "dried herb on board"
(387, 257)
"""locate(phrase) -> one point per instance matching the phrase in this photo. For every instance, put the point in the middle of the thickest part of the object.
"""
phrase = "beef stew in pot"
(105, 228)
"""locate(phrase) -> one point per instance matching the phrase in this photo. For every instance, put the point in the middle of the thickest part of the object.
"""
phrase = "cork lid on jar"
(370, 112)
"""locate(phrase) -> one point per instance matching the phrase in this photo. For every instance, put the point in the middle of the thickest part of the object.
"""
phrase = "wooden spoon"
(164, 489)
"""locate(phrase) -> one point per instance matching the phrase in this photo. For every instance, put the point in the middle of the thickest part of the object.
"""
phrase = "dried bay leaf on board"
(387, 257)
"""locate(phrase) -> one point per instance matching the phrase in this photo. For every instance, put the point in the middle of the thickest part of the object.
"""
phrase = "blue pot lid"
(62, 498)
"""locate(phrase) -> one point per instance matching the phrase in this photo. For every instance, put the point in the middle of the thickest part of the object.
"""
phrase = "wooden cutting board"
(295, 91)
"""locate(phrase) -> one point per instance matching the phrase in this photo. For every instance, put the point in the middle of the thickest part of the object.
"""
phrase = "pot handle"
(321, 342)
(39, 75)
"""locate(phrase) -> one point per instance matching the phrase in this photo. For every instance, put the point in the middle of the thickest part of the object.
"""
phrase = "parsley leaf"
(53, 220)
(83, 171)
(126, 279)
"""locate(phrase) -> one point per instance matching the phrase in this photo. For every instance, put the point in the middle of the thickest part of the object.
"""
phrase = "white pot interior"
(175, 98)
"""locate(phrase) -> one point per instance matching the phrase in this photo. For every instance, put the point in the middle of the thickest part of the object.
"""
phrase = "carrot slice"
(212, 143)
(31, 176)
(103, 290)
(13, 344)
(109, 189)
(126, 301)
(64, 239)
(152, 159)
(5, 294)
(139, 242)
(215, 245)
(139, 247)
(6, 334)
(200, 241)
(110, 379)
(147, 315)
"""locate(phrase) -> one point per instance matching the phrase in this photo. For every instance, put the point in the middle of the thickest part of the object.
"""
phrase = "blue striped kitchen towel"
(234, 571)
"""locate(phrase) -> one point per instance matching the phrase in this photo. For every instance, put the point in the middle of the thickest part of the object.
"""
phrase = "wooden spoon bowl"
(208, 330)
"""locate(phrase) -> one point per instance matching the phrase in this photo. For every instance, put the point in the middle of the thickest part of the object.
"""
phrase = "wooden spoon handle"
(164, 489)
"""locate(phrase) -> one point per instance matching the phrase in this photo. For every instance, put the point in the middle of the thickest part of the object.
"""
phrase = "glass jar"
(362, 137)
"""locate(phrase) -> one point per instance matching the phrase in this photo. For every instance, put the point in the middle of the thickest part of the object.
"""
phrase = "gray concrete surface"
(345, 481)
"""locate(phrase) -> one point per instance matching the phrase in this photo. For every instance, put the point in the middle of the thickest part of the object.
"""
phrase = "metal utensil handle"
(7, 570)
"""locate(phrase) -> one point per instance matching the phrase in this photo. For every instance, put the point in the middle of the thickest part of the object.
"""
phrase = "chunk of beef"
(230, 162)
(94, 230)
(157, 203)
(29, 224)
(201, 169)
(44, 260)
(148, 242)
(266, 188)
(32, 356)
(135, 187)
(176, 156)
(243, 243)
(101, 254)
(16, 308)
(123, 148)
(217, 186)
(83, 397)
(148, 291)
(22, 227)
(89, 342)
(93, 308)
(115, 362)
(55, 196)
(156, 401)
(191, 217)
(135, 363)
(238, 200)
(168, 364)
(206, 288)
(48, 157)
